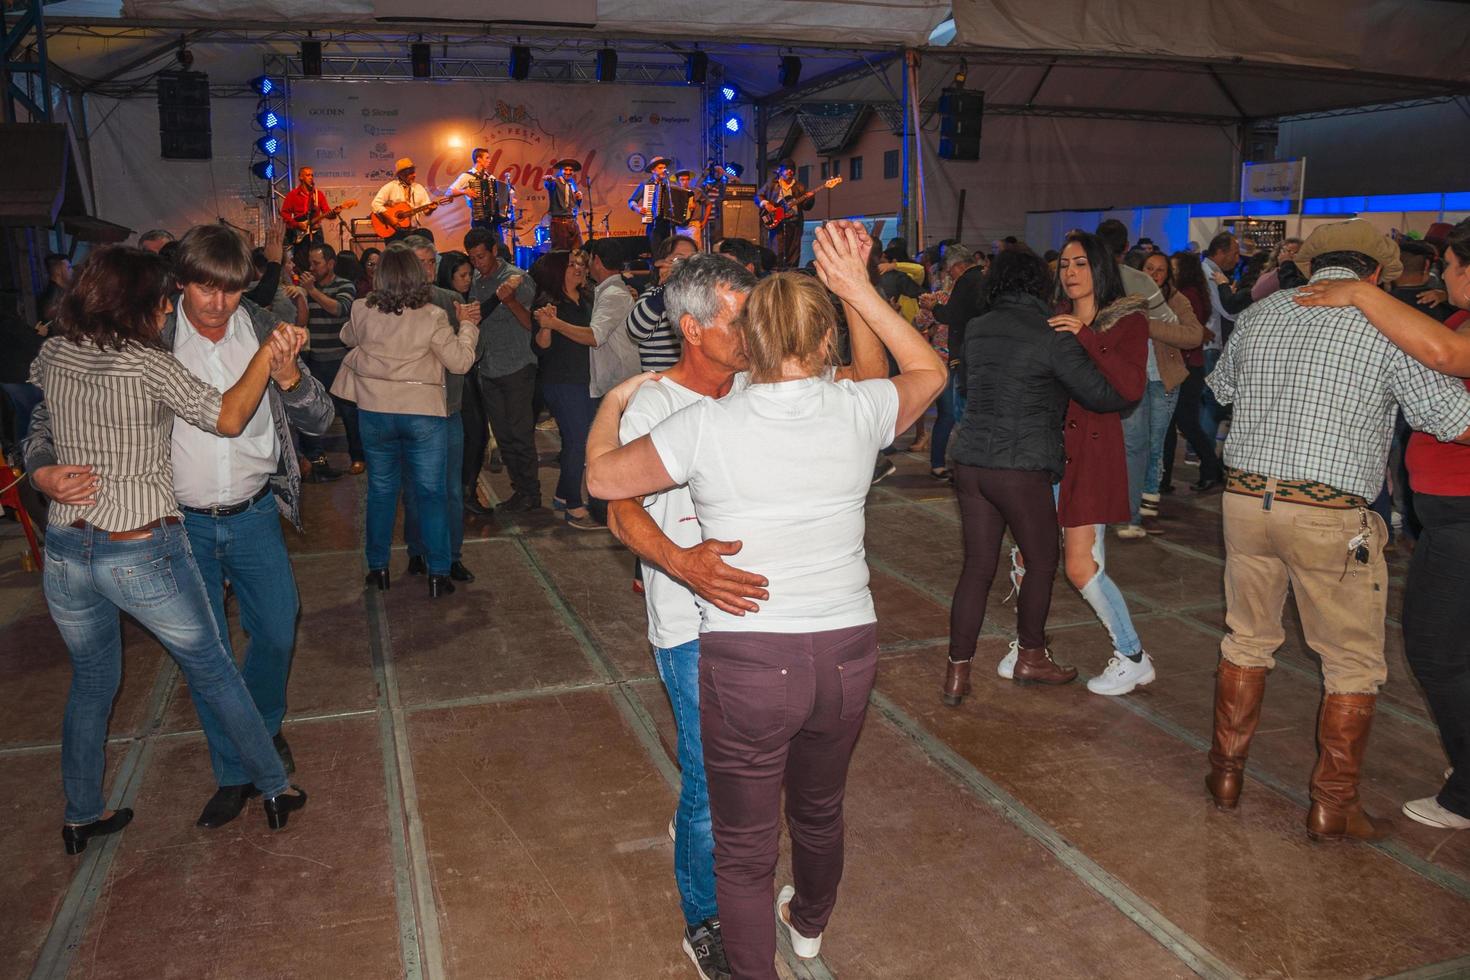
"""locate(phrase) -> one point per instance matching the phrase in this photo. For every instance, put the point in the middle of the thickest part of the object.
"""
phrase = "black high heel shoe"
(75, 837)
(378, 577)
(439, 585)
(279, 808)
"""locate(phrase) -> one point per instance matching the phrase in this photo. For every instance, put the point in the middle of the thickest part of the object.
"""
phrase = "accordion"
(658, 201)
(681, 205)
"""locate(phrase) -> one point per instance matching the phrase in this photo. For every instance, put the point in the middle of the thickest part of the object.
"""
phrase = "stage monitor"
(740, 219)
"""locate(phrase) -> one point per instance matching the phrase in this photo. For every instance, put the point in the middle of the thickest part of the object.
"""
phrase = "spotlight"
(729, 92)
(418, 57)
(265, 170)
(311, 59)
(270, 144)
(520, 63)
(733, 124)
(270, 119)
(607, 65)
(263, 86)
(696, 67)
(790, 71)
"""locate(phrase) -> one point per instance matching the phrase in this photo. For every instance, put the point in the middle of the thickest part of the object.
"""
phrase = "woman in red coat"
(1094, 489)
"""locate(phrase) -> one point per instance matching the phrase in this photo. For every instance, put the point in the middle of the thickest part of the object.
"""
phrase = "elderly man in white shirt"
(404, 189)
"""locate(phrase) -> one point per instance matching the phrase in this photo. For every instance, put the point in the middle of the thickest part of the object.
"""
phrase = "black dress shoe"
(378, 577)
(322, 472)
(75, 837)
(280, 807)
(1206, 485)
(416, 565)
(459, 573)
(472, 503)
(284, 751)
(225, 805)
(518, 504)
(439, 585)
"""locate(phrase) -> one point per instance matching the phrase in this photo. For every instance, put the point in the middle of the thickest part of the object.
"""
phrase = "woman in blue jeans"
(564, 340)
(401, 346)
(116, 543)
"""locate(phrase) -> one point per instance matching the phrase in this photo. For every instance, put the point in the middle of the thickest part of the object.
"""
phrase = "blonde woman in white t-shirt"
(784, 466)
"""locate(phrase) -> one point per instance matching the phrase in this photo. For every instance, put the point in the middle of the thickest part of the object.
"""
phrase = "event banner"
(351, 133)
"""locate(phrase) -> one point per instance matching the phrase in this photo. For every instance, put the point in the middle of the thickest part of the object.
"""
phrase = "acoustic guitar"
(773, 215)
(395, 217)
(293, 235)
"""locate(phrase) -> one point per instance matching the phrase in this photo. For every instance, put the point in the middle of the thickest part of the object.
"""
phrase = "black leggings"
(991, 501)
(1186, 421)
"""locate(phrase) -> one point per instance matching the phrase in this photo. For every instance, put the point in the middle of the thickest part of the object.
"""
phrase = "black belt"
(232, 509)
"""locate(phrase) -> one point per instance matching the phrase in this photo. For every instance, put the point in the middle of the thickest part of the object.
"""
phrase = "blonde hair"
(788, 316)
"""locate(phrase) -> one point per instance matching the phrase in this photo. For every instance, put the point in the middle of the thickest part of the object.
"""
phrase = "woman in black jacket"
(1019, 375)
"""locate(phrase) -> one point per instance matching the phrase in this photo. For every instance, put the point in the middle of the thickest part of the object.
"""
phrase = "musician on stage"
(785, 191)
(651, 200)
(405, 189)
(564, 200)
(304, 205)
(478, 188)
(693, 227)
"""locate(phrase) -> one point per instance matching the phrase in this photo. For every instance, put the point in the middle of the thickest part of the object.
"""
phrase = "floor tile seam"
(69, 924)
(1193, 954)
(1456, 968)
(349, 552)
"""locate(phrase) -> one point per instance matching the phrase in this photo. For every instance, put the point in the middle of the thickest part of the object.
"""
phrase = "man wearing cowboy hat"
(651, 200)
(784, 190)
(404, 189)
(1316, 392)
(563, 201)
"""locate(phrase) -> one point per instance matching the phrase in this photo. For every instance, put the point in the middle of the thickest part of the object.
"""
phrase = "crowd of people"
(726, 422)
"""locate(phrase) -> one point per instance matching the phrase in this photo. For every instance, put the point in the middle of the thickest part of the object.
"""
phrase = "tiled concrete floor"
(491, 775)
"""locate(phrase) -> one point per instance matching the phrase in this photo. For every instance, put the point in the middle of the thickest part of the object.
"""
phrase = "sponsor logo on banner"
(326, 111)
(372, 130)
(637, 162)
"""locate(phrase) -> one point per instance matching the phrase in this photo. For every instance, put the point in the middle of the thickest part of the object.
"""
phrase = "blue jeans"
(24, 398)
(573, 408)
(944, 418)
(453, 497)
(89, 579)
(1103, 595)
(694, 844)
(248, 550)
(1209, 409)
(325, 369)
(1144, 429)
(420, 444)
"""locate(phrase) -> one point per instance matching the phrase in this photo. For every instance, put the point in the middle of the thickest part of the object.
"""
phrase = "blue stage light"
(733, 124)
(264, 85)
(729, 92)
(265, 170)
(270, 119)
(270, 144)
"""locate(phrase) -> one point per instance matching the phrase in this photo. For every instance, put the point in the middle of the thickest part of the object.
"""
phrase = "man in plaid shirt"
(1315, 392)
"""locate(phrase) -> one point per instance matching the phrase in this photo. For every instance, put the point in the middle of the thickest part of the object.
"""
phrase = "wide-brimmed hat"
(685, 172)
(568, 162)
(1356, 235)
(404, 163)
(655, 162)
(786, 165)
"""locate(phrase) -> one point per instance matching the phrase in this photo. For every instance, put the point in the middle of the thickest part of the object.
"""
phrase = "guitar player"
(403, 189)
(785, 191)
(303, 205)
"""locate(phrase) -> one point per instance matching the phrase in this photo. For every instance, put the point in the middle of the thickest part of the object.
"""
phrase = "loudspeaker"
(696, 68)
(311, 59)
(183, 115)
(789, 74)
(520, 63)
(961, 114)
(741, 219)
(607, 65)
(418, 58)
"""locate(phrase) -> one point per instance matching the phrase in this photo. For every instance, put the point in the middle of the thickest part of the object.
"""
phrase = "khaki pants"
(1342, 607)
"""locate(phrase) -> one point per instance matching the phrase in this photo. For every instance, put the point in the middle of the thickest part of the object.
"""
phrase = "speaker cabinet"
(183, 116)
(741, 219)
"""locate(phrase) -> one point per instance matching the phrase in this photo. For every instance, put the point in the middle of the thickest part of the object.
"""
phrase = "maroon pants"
(565, 235)
(779, 708)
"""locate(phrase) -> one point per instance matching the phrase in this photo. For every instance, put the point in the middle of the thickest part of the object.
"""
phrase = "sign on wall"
(1275, 180)
(351, 133)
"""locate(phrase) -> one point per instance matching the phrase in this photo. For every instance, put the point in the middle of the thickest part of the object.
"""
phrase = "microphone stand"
(589, 217)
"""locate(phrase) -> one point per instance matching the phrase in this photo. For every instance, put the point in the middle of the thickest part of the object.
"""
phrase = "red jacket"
(296, 204)
(1095, 482)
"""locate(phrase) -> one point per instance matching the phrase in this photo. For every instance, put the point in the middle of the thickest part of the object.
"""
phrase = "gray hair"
(957, 254)
(420, 244)
(692, 287)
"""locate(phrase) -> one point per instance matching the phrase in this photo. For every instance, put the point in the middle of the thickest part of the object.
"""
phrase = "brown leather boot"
(956, 682)
(1342, 740)
(1035, 666)
(1238, 693)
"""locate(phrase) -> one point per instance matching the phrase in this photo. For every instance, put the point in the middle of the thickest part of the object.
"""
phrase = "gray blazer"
(308, 408)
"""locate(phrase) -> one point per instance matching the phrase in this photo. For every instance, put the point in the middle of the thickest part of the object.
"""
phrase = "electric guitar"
(395, 216)
(293, 235)
(773, 214)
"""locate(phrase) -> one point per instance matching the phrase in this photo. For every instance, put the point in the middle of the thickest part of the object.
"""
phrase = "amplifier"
(739, 192)
(741, 219)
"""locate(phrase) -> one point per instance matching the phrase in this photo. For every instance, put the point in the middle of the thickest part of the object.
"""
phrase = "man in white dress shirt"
(405, 189)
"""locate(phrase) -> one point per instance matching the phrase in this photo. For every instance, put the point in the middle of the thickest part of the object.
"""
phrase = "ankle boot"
(956, 682)
(1035, 666)
(377, 577)
(1342, 740)
(1238, 693)
(439, 585)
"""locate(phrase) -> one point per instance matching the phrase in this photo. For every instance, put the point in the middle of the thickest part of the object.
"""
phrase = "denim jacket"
(308, 408)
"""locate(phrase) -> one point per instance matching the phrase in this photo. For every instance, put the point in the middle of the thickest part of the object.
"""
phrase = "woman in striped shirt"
(648, 325)
(117, 543)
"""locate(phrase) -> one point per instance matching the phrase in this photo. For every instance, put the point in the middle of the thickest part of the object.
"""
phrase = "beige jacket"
(397, 361)
(1171, 338)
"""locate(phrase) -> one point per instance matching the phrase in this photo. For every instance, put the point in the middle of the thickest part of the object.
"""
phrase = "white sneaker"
(800, 945)
(1007, 666)
(1018, 572)
(1428, 812)
(1130, 532)
(1122, 675)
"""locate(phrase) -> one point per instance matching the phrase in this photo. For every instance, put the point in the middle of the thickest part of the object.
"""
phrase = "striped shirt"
(326, 328)
(114, 411)
(648, 325)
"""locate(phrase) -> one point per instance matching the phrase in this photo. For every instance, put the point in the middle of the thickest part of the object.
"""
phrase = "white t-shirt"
(673, 611)
(786, 468)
